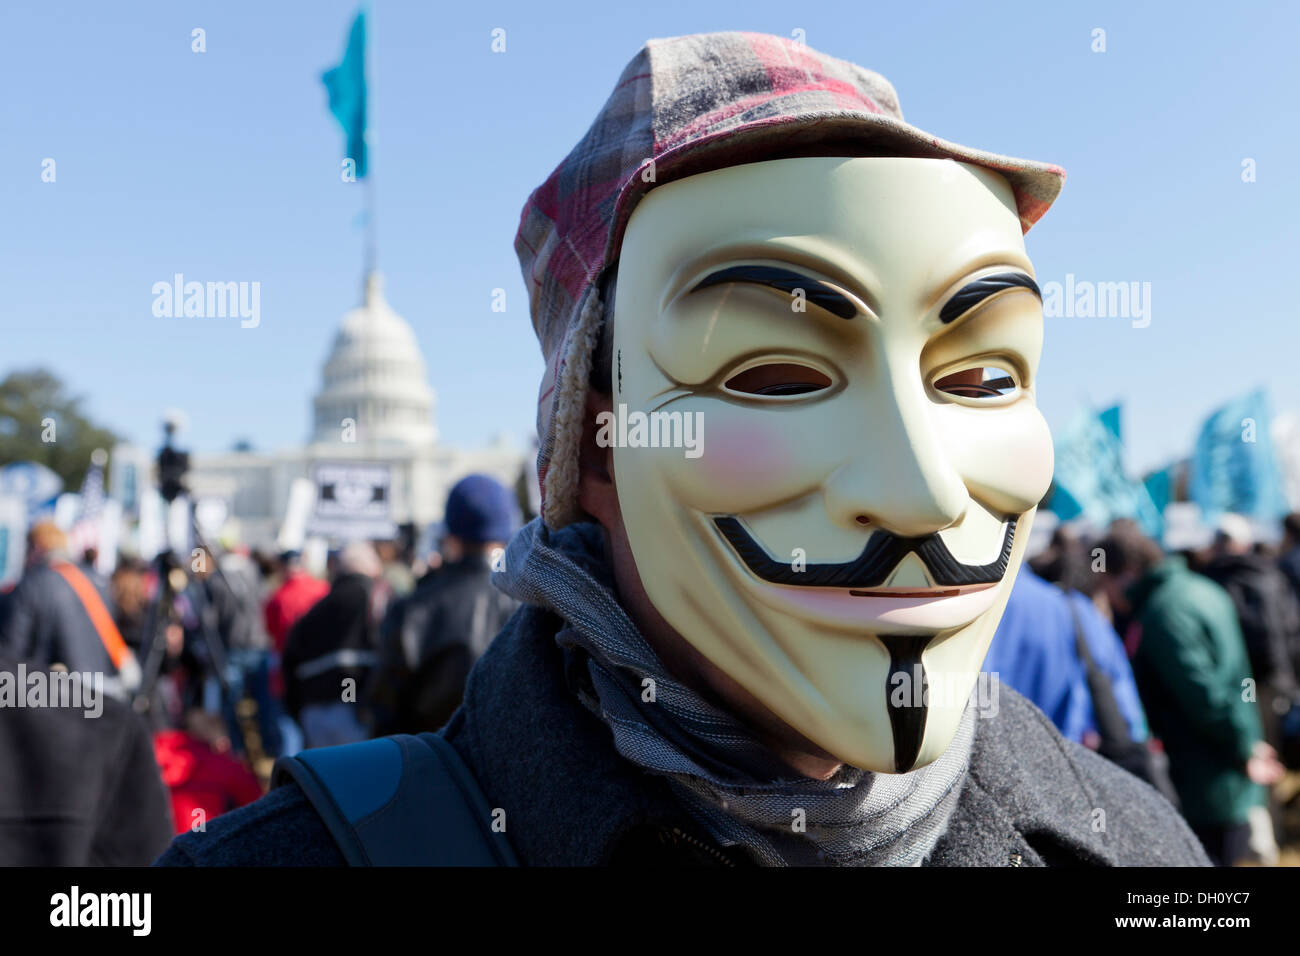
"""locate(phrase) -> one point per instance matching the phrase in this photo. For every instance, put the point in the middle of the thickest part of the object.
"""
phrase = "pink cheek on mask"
(743, 457)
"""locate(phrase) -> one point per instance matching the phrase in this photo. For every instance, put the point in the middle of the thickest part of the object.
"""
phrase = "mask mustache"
(870, 569)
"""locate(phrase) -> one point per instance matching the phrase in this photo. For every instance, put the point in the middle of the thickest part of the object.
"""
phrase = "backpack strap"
(1112, 726)
(398, 801)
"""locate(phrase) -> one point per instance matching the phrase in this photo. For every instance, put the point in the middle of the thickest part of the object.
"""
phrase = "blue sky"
(224, 166)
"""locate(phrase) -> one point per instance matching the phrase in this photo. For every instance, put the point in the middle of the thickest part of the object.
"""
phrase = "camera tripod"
(176, 577)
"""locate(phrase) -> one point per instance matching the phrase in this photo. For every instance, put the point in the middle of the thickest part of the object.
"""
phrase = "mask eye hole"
(979, 382)
(778, 379)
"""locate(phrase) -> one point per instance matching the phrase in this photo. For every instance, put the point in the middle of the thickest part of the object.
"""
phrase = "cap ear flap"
(560, 488)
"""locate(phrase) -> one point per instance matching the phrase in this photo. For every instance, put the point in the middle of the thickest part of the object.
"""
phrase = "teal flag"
(1089, 475)
(1110, 417)
(1160, 486)
(1234, 466)
(347, 88)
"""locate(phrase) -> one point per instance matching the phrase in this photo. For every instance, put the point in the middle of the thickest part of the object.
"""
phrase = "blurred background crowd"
(217, 664)
(1176, 657)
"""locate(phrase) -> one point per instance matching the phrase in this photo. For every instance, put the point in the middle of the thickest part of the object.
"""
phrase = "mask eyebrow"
(973, 293)
(783, 280)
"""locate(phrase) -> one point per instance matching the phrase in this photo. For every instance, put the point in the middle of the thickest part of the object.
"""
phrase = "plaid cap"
(687, 105)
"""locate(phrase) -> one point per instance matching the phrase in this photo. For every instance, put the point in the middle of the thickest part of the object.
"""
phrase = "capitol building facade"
(373, 461)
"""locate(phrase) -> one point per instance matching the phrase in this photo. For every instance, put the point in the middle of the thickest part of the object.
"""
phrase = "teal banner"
(1234, 466)
(1090, 481)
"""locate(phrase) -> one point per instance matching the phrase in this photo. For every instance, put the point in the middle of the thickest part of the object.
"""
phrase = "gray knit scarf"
(730, 783)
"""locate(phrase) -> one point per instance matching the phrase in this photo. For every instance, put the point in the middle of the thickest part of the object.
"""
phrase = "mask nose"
(899, 477)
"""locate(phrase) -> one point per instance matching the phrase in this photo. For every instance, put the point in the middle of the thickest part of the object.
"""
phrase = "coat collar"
(538, 754)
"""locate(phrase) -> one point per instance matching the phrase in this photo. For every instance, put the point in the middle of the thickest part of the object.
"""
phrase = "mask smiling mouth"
(854, 597)
(865, 574)
(918, 592)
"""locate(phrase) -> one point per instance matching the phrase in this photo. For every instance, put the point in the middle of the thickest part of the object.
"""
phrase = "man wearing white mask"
(789, 458)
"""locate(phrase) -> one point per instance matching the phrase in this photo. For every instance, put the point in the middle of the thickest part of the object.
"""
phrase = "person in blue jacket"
(1033, 651)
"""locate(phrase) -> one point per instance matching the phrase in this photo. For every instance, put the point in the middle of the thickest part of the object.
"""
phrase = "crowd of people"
(212, 670)
(1179, 663)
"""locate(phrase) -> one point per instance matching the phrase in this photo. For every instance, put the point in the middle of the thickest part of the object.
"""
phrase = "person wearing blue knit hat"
(480, 512)
(430, 643)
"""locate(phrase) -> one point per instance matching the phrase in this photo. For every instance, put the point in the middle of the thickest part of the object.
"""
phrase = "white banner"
(302, 499)
(13, 537)
(352, 501)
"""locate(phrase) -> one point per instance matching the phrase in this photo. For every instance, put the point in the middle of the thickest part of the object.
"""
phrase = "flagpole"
(372, 251)
(349, 96)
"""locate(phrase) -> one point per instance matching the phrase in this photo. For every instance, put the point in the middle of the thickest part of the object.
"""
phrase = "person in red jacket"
(291, 600)
(203, 779)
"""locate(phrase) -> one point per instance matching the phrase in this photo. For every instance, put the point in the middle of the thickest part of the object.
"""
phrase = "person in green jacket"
(1196, 684)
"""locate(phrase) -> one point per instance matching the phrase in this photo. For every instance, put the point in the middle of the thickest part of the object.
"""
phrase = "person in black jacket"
(433, 637)
(330, 652)
(1289, 561)
(80, 785)
(1269, 614)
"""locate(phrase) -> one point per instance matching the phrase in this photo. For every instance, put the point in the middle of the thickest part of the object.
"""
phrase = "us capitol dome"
(375, 379)
(372, 460)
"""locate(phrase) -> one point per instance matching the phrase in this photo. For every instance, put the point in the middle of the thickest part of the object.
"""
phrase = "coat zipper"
(676, 835)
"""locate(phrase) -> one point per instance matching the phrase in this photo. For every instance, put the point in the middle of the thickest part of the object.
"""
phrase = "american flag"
(84, 532)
